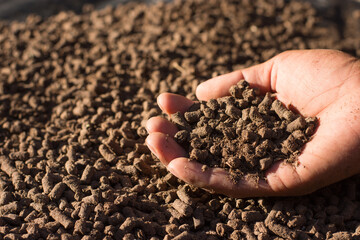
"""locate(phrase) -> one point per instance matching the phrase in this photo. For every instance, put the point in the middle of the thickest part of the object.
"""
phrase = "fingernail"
(146, 127)
(158, 102)
(161, 107)
(198, 88)
(152, 149)
(171, 169)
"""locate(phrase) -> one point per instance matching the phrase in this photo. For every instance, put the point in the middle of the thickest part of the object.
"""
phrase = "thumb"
(258, 76)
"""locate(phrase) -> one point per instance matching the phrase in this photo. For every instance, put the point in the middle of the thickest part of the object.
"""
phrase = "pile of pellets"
(76, 90)
(244, 133)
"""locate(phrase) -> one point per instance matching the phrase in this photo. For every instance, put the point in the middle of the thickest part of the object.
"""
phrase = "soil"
(244, 133)
(76, 91)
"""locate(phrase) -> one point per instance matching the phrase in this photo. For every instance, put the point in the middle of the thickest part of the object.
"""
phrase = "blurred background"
(341, 14)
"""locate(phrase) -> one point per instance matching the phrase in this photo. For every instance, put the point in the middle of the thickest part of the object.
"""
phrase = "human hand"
(321, 83)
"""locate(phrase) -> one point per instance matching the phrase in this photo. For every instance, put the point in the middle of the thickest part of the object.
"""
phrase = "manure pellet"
(245, 135)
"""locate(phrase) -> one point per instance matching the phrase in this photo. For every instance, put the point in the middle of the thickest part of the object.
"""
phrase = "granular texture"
(76, 90)
(243, 133)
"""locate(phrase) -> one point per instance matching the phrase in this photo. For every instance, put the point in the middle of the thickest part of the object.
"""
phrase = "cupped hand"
(321, 83)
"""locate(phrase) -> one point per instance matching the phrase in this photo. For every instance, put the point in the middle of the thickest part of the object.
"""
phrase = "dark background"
(19, 9)
(343, 14)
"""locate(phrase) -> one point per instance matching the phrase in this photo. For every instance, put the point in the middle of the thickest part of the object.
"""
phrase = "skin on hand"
(321, 83)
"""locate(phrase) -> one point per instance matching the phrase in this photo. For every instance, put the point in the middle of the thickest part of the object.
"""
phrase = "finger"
(160, 124)
(257, 76)
(164, 147)
(217, 86)
(171, 103)
(217, 180)
(303, 177)
(285, 179)
(173, 156)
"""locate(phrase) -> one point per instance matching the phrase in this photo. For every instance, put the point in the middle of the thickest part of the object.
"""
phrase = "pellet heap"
(75, 91)
(243, 133)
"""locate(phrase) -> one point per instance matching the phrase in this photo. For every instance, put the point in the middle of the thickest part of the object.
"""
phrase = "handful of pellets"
(243, 133)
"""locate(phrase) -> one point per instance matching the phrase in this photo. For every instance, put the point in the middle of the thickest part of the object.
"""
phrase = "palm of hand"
(322, 83)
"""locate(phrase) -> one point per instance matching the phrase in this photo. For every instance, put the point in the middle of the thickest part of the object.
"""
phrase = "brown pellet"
(57, 191)
(180, 121)
(297, 124)
(192, 117)
(183, 208)
(282, 112)
(107, 154)
(87, 174)
(47, 182)
(61, 218)
(233, 112)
